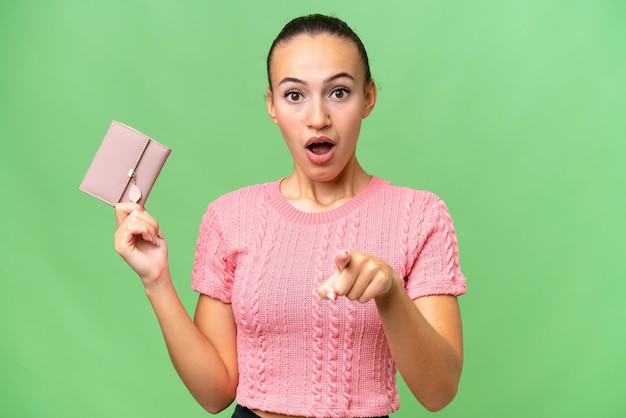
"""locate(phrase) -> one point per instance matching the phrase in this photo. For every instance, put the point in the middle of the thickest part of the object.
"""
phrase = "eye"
(293, 96)
(340, 93)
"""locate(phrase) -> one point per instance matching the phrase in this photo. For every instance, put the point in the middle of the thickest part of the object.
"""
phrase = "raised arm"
(203, 352)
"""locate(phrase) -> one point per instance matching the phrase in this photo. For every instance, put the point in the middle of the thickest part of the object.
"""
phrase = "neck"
(312, 195)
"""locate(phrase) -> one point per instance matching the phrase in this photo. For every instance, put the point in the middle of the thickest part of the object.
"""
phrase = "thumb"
(342, 258)
(123, 209)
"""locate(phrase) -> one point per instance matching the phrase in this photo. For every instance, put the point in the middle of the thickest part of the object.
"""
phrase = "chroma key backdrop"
(513, 112)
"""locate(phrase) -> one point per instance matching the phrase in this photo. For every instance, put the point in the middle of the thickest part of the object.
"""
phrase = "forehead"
(315, 56)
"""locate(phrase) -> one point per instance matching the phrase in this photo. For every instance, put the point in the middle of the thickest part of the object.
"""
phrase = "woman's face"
(319, 98)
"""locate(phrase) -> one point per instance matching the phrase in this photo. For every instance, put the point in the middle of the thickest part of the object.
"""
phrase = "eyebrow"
(329, 79)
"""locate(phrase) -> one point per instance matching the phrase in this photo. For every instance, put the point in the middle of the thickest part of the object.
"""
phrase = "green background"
(512, 111)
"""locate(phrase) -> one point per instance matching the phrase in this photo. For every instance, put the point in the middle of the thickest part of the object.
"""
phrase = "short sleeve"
(213, 268)
(436, 269)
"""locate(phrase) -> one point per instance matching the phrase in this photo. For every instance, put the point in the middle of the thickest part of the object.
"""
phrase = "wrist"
(162, 282)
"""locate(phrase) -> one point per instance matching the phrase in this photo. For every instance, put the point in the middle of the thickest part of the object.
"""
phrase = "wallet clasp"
(134, 194)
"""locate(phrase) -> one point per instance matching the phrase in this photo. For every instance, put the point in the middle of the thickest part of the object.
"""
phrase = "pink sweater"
(298, 354)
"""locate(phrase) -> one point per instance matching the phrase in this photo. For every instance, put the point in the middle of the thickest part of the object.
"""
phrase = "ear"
(269, 102)
(370, 98)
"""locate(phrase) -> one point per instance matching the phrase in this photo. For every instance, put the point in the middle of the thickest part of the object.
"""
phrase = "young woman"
(314, 289)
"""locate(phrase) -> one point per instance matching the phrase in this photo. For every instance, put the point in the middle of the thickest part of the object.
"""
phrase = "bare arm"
(426, 342)
(203, 353)
(425, 335)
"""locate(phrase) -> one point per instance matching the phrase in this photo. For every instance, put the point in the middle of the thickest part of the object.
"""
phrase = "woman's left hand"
(359, 276)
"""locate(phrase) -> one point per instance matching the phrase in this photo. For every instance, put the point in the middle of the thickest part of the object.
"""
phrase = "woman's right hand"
(139, 241)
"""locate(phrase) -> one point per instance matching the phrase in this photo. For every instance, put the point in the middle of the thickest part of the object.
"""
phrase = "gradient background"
(512, 111)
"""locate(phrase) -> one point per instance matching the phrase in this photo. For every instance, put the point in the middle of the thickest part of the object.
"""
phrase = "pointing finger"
(342, 258)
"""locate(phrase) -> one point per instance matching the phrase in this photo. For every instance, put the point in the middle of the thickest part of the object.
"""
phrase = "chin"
(321, 175)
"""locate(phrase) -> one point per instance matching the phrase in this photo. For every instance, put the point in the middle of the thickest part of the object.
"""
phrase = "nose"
(318, 116)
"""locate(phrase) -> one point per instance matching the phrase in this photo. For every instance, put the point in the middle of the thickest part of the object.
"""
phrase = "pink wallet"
(125, 167)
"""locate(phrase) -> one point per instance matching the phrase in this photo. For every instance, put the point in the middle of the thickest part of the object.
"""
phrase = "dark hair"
(317, 24)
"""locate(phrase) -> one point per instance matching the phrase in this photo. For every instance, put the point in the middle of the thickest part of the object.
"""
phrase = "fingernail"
(331, 295)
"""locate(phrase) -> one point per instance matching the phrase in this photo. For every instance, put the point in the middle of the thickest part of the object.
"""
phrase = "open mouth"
(320, 148)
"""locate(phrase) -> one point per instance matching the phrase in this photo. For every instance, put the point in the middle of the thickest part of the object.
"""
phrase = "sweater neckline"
(290, 212)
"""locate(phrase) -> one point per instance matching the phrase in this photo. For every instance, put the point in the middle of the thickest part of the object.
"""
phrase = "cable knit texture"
(299, 354)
